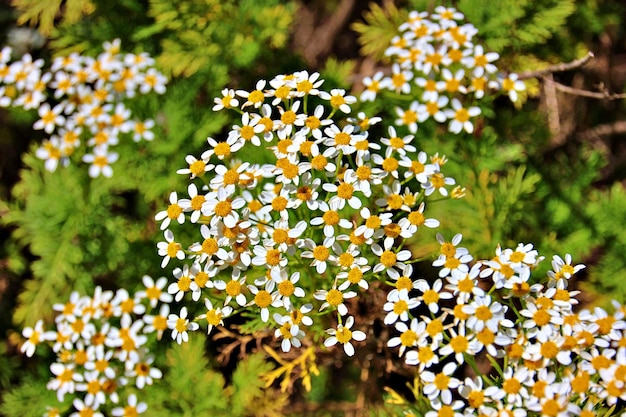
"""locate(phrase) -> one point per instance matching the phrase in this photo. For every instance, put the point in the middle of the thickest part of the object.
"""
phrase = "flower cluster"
(435, 59)
(81, 98)
(308, 225)
(546, 358)
(100, 342)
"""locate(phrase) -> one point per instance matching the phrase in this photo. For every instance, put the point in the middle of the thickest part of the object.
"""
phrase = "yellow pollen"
(404, 283)
(304, 193)
(286, 288)
(181, 325)
(441, 381)
(233, 288)
(373, 222)
(483, 313)
(172, 249)
(209, 246)
(390, 164)
(364, 173)
(337, 101)
(346, 260)
(541, 317)
(452, 263)
(459, 344)
(355, 275)
(511, 386)
(256, 96)
(425, 354)
(549, 349)
(342, 139)
(319, 162)
(408, 338)
(321, 253)
(201, 279)
(486, 336)
(184, 283)
(197, 168)
(416, 218)
(334, 297)
(400, 307)
(431, 297)
(345, 191)
(304, 86)
(272, 257)
(343, 335)
(409, 117)
(392, 230)
(222, 149)
(197, 202)
(223, 208)
(279, 203)
(263, 299)
(437, 180)
(388, 259)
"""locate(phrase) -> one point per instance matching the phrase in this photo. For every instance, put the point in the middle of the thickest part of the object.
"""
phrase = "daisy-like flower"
(450, 263)
(288, 331)
(334, 297)
(415, 219)
(180, 324)
(34, 336)
(193, 204)
(398, 306)
(132, 409)
(437, 182)
(338, 99)
(144, 373)
(330, 218)
(184, 283)
(452, 83)
(65, 379)
(100, 161)
(169, 249)
(459, 117)
(197, 167)
(174, 212)
(374, 223)
(154, 291)
(389, 259)
(83, 409)
(158, 322)
(321, 254)
(433, 108)
(344, 335)
(222, 206)
(223, 149)
(341, 139)
(399, 81)
(431, 296)
(408, 117)
(214, 315)
(410, 336)
(372, 86)
(286, 287)
(440, 385)
(234, 288)
(511, 85)
(226, 101)
(480, 62)
(50, 118)
(397, 144)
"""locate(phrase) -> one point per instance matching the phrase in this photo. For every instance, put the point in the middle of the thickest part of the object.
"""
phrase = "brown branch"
(601, 95)
(566, 66)
(600, 131)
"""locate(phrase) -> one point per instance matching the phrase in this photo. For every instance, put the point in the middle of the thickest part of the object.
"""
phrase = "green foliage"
(190, 387)
(379, 27)
(517, 24)
(43, 13)
(197, 34)
(607, 211)
(29, 399)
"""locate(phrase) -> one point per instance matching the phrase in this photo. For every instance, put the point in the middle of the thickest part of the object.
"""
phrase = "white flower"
(344, 335)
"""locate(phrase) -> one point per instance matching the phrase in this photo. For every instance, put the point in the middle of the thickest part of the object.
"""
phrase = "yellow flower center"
(330, 217)
(263, 299)
(233, 288)
(222, 149)
(334, 297)
(408, 338)
(321, 253)
(343, 335)
(173, 211)
(286, 288)
(388, 258)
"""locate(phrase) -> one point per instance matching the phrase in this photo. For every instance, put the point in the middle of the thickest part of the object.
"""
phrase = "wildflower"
(334, 298)
(289, 331)
(100, 162)
(227, 100)
(398, 305)
(34, 336)
(338, 99)
(460, 117)
(439, 385)
(179, 324)
(132, 409)
(344, 335)
(408, 117)
(214, 315)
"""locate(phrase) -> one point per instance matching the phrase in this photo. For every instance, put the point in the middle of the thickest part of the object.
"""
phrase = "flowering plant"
(89, 94)
(304, 208)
